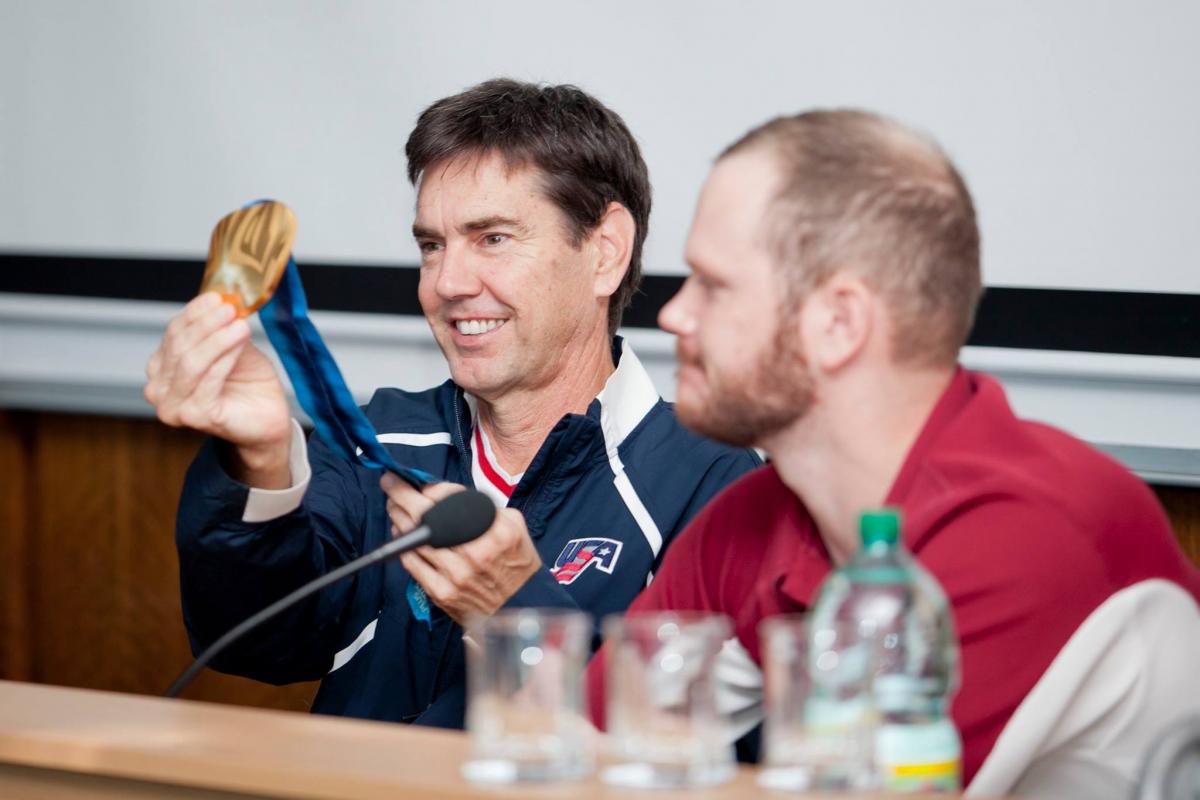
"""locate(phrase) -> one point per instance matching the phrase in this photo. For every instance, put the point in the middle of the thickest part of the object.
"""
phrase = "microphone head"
(459, 518)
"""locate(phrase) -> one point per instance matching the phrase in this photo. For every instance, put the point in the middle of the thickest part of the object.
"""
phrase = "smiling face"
(509, 298)
(742, 371)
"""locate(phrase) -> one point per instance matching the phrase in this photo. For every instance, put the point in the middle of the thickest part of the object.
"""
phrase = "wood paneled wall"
(14, 555)
(91, 579)
(1183, 507)
(90, 588)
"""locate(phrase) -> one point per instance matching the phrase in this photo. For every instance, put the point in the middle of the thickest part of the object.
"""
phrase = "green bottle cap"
(879, 525)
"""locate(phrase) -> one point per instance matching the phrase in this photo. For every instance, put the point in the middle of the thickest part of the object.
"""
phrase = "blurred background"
(128, 128)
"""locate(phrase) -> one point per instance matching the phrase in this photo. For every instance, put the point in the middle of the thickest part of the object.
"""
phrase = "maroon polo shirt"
(1027, 529)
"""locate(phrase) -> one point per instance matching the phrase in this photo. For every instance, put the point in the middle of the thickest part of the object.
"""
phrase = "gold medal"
(248, 253)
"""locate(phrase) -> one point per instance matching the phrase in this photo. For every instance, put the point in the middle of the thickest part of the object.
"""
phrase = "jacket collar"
(627, 397)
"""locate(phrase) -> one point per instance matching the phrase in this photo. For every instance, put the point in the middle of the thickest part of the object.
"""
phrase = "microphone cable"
(457, 519)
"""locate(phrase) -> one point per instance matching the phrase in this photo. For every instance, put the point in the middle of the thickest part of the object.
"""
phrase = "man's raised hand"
(206, 375)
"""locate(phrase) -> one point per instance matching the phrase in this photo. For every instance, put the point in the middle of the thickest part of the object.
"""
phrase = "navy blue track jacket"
(626, 472)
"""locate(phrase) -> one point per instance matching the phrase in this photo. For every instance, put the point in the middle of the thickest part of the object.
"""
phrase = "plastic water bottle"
(902, 611)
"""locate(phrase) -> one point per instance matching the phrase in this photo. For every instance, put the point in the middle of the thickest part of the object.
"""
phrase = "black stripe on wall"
(1133, 323)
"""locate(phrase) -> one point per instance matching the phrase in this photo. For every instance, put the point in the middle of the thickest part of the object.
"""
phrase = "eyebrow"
(494, 221)
(701, 267)
(471, 226)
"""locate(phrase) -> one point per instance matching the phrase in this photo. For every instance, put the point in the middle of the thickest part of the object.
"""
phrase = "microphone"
(456, 520)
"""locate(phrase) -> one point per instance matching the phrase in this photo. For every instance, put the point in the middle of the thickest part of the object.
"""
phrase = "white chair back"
(1172, 769)
(1129, 671)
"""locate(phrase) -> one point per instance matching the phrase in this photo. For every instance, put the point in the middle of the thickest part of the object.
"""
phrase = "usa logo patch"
(579, 554)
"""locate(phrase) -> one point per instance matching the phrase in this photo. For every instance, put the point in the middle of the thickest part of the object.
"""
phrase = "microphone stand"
(418, 537)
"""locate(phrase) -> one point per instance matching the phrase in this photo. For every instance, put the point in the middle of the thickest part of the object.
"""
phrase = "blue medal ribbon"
(322, 393)
(319, 385)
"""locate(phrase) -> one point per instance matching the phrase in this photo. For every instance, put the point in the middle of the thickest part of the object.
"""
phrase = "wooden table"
(74, 743)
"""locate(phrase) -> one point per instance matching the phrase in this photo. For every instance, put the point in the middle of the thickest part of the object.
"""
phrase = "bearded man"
(834, 277)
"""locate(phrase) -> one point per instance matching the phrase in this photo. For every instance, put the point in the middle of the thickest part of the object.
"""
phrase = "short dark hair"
(586, 155)
(861, 191)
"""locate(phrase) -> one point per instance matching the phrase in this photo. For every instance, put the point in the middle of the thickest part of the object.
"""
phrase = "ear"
(613, 242)
(839, 318)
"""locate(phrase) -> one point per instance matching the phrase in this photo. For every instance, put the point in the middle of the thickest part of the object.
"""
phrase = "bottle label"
(923, 757)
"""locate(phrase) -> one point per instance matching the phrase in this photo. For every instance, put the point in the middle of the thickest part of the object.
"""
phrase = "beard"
(746, 406)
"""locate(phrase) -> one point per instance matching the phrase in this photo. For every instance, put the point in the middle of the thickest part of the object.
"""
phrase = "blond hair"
(861, 192)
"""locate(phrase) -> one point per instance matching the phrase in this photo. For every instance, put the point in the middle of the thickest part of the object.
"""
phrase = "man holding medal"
(533, 204)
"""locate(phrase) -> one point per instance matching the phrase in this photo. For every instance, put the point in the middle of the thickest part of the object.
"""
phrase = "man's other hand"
(472, 578)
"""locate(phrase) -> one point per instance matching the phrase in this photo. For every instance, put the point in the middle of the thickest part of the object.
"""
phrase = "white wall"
(132, 125)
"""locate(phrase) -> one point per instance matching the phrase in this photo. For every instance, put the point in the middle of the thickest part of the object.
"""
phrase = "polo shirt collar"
(953, 400)
(799, 580)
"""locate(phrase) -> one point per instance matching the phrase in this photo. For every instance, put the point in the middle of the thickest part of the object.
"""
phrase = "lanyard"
(322, 393)
(319, 385)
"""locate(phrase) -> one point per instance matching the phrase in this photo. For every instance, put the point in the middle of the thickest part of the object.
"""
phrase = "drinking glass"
(820, 717)
(663, 725)
(525, 696)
